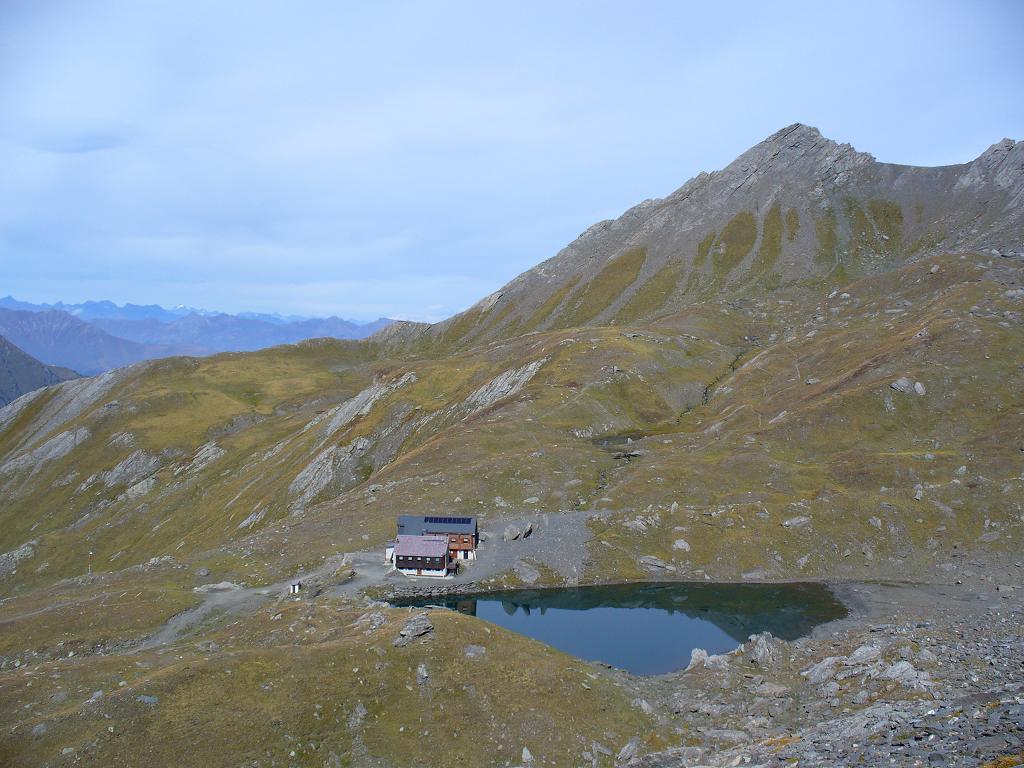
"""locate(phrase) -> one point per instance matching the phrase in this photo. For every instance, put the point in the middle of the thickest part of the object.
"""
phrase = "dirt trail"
(557, 541)
(220, 603)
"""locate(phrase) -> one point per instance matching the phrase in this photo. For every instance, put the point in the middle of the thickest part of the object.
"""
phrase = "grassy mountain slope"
(178, 456)
(817, 385)
(781, 412)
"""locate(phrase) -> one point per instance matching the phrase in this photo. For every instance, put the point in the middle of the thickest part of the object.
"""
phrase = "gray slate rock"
(903, 384)
(418, 626)
(764, 649)
(526, 572)
(771, 690)
(654, 563)
(628, 750)
(359, 713)
(822, 670)
(512, 533)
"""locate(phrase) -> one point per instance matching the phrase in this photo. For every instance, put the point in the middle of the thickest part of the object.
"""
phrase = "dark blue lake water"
(650, 629)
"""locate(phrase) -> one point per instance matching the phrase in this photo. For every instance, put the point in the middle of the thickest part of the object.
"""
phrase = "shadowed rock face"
(20, 373)
(64, 340)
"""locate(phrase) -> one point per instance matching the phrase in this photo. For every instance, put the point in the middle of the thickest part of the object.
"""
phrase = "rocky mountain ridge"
(108, 310)
(796, 211)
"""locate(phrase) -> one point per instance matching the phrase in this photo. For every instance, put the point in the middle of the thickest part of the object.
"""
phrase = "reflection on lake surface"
(650, 628)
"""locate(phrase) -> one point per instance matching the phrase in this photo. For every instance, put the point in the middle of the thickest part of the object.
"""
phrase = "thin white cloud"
(165, 151)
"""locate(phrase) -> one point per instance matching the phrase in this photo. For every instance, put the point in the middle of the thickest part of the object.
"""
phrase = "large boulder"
(821, 671)
(514, 532)
(903, 384)
(526, 572)
(763, 649)
(908, 386)
(701, 658)
(418, 626)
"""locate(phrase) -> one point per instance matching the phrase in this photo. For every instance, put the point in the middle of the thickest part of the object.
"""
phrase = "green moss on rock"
(735, 242)
(543, 312)
(792, 224)
(703, 248)
(887, 217)
(610, 283)
(652, 295)
(825, 230)
(771, 240)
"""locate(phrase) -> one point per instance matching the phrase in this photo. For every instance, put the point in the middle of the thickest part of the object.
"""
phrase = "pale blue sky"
(405, 159)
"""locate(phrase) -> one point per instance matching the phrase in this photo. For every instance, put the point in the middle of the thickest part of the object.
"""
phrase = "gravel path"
(557, 542)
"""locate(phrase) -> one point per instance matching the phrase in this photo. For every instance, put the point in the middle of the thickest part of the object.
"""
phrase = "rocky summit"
(807, 366)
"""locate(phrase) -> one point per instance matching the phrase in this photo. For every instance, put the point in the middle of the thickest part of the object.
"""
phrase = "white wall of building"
(434, 574)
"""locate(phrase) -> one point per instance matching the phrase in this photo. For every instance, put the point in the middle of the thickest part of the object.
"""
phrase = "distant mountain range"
(58, 338)
(20, 373)
(96, 336)
(92, 310)
(232, 333)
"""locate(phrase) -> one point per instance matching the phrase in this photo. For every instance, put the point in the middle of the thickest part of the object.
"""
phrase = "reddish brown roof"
(421, 546)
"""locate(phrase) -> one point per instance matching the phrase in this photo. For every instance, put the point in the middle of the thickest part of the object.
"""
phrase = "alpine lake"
(649, 628)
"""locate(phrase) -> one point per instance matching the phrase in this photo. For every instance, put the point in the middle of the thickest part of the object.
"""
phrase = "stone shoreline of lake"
(919, 676)
(915, 675)
(441, 588)
(946, 689)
